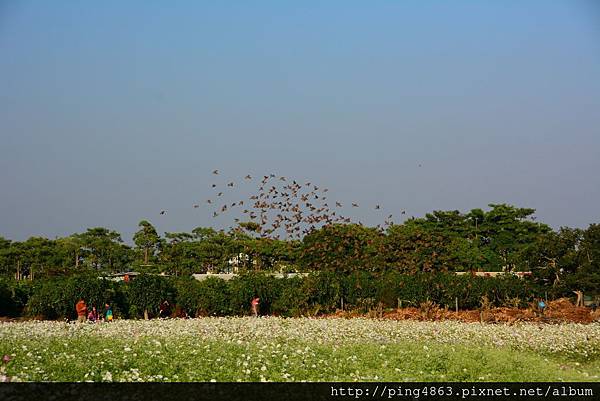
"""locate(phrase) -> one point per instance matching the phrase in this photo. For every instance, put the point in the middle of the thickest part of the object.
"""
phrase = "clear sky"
(112, 111)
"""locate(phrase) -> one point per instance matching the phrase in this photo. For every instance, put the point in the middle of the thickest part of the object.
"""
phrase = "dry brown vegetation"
(558, 311)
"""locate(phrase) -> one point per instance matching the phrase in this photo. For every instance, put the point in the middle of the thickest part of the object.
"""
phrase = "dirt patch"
(558, 311)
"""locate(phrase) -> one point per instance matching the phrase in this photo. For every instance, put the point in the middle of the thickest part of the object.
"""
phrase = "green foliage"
(444, 289)
(324, 290)
(359, 289)
(292, 300)
(587, 276)
(56, 297)
(146, 293)
(411, 248)
(14, 295)
(147, 240)
(8, 305)
(209, 297)
(245, 287)
(214, 297)
(342, 248)
(351, 265)
(21, 291)
(316, 293)
(104, 249)
(188, 294)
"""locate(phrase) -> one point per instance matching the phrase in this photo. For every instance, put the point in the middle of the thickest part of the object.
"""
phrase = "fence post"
(456, 302)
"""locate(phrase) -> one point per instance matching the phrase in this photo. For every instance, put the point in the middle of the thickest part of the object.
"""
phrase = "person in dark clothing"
(165, 309)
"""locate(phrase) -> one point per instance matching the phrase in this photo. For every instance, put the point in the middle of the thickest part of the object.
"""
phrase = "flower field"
(278, 349)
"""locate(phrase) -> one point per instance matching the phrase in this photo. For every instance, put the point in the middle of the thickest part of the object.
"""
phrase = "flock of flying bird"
(283, 208)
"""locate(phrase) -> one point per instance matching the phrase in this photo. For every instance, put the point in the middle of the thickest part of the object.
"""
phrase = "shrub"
(8, 305)
(146, 293)
(292, 300)
(324, 291)
(56, 297)
(359, 289)
(249, 285)
(188, 294)
(213, 297)
(319, 292)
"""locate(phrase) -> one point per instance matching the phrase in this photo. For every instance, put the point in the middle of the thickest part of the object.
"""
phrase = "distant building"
(125, 276)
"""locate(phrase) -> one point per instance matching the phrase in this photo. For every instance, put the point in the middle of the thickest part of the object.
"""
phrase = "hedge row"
(316, 293)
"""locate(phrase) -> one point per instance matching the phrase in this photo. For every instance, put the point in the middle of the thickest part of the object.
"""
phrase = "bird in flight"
(214, 185)
(230, 184)
(403, 212)
(163, 211)
(354, 205)
(220, 193)
(338, 204)
(248, 177)
(209, 201)
(196, 206)
(377, 207)
(216, 172)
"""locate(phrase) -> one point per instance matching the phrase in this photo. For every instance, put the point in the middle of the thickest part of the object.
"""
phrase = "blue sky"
(113, 111)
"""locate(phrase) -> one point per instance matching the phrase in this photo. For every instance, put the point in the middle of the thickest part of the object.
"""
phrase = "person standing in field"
(108, 313)
(81, 309)
(254, 304)
(541, 306)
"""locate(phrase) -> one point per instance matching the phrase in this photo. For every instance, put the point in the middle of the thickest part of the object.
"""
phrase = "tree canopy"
(502, 238)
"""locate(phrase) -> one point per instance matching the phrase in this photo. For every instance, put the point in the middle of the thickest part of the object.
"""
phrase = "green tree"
(72, 251)
(587, 277)
(342, 248)
(414, 247)
(40, 256)
(6, 257)
(553, 257)
(176, 254)
(105, 250)
(507, 232)
(215, 249)
(147, 240)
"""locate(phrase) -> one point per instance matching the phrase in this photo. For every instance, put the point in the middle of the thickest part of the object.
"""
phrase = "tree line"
(309, 295)
(502, 238)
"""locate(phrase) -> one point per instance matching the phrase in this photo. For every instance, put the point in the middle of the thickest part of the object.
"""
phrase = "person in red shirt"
(81, 309)
(254, 304)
